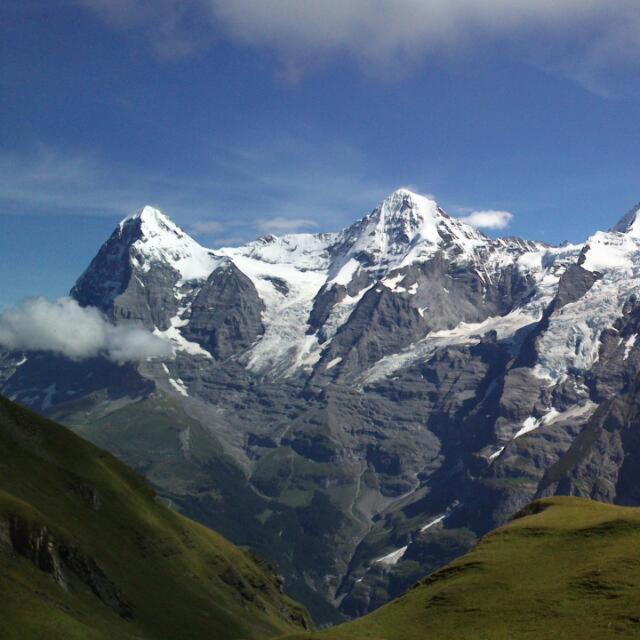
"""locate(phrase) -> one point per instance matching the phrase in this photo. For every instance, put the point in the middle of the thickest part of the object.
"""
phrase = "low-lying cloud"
(489, 219)
(66, 328)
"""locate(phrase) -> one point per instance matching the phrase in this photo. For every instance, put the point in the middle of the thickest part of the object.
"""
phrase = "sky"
(244, 117)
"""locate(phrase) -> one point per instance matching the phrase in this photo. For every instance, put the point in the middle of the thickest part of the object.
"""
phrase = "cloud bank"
(489, 219)
(66, 328)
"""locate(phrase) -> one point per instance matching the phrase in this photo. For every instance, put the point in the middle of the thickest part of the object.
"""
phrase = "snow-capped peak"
(151, 220)
(630, 223)
(406, 227)
(404, 215)
(156, 238)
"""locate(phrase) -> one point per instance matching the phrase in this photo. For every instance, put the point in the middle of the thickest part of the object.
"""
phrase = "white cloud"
(380, 29)
(580, 39)
(66, 328)
(280, 224)
(489, 219)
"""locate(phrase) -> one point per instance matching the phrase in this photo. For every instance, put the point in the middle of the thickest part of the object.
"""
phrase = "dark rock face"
(61, 561)
(603, 462)
(324, 302)
(381, 323)
(116, 285)
(574, 283)
(226, 314)
(149, 302)
(417, 384)
(109, 273)
(88, 572)
(331, 295)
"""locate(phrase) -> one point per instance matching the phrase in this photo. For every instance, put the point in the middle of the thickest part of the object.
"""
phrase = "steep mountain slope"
(358, 407)
(88, 551)
(564, 568)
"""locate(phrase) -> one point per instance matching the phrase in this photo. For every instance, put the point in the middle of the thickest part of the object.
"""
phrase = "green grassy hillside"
(566, 568)
(88, 552)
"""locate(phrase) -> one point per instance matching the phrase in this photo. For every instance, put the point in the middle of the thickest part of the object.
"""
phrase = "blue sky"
(252, 116)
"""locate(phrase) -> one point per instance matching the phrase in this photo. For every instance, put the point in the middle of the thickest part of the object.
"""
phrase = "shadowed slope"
(87, 551)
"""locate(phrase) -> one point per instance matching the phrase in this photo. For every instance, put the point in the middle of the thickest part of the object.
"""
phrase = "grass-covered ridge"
(565, 568)
(88, 552)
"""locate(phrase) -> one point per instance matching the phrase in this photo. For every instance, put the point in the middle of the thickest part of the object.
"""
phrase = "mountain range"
(359, 407)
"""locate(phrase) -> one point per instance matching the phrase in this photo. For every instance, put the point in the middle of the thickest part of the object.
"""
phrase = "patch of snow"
(530, 424)
(179, 386)
(178, 341)
(578, 411)
(346, 273)
(22, 361)
(605, 251)
(334, 362)
(392, 282)
(553, 416)
(496, 454)
(434, 522)
(392, 558)
(309, 354)
(629, 344)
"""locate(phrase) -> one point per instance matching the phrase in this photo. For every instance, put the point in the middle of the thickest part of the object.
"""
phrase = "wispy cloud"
(64, 327)
(280, 224)
(64, 182)
(277, 184)
(488, 219)
(172, 28)
(582, 39)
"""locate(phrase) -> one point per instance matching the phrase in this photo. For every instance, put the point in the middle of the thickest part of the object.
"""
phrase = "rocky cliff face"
(360, 406)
